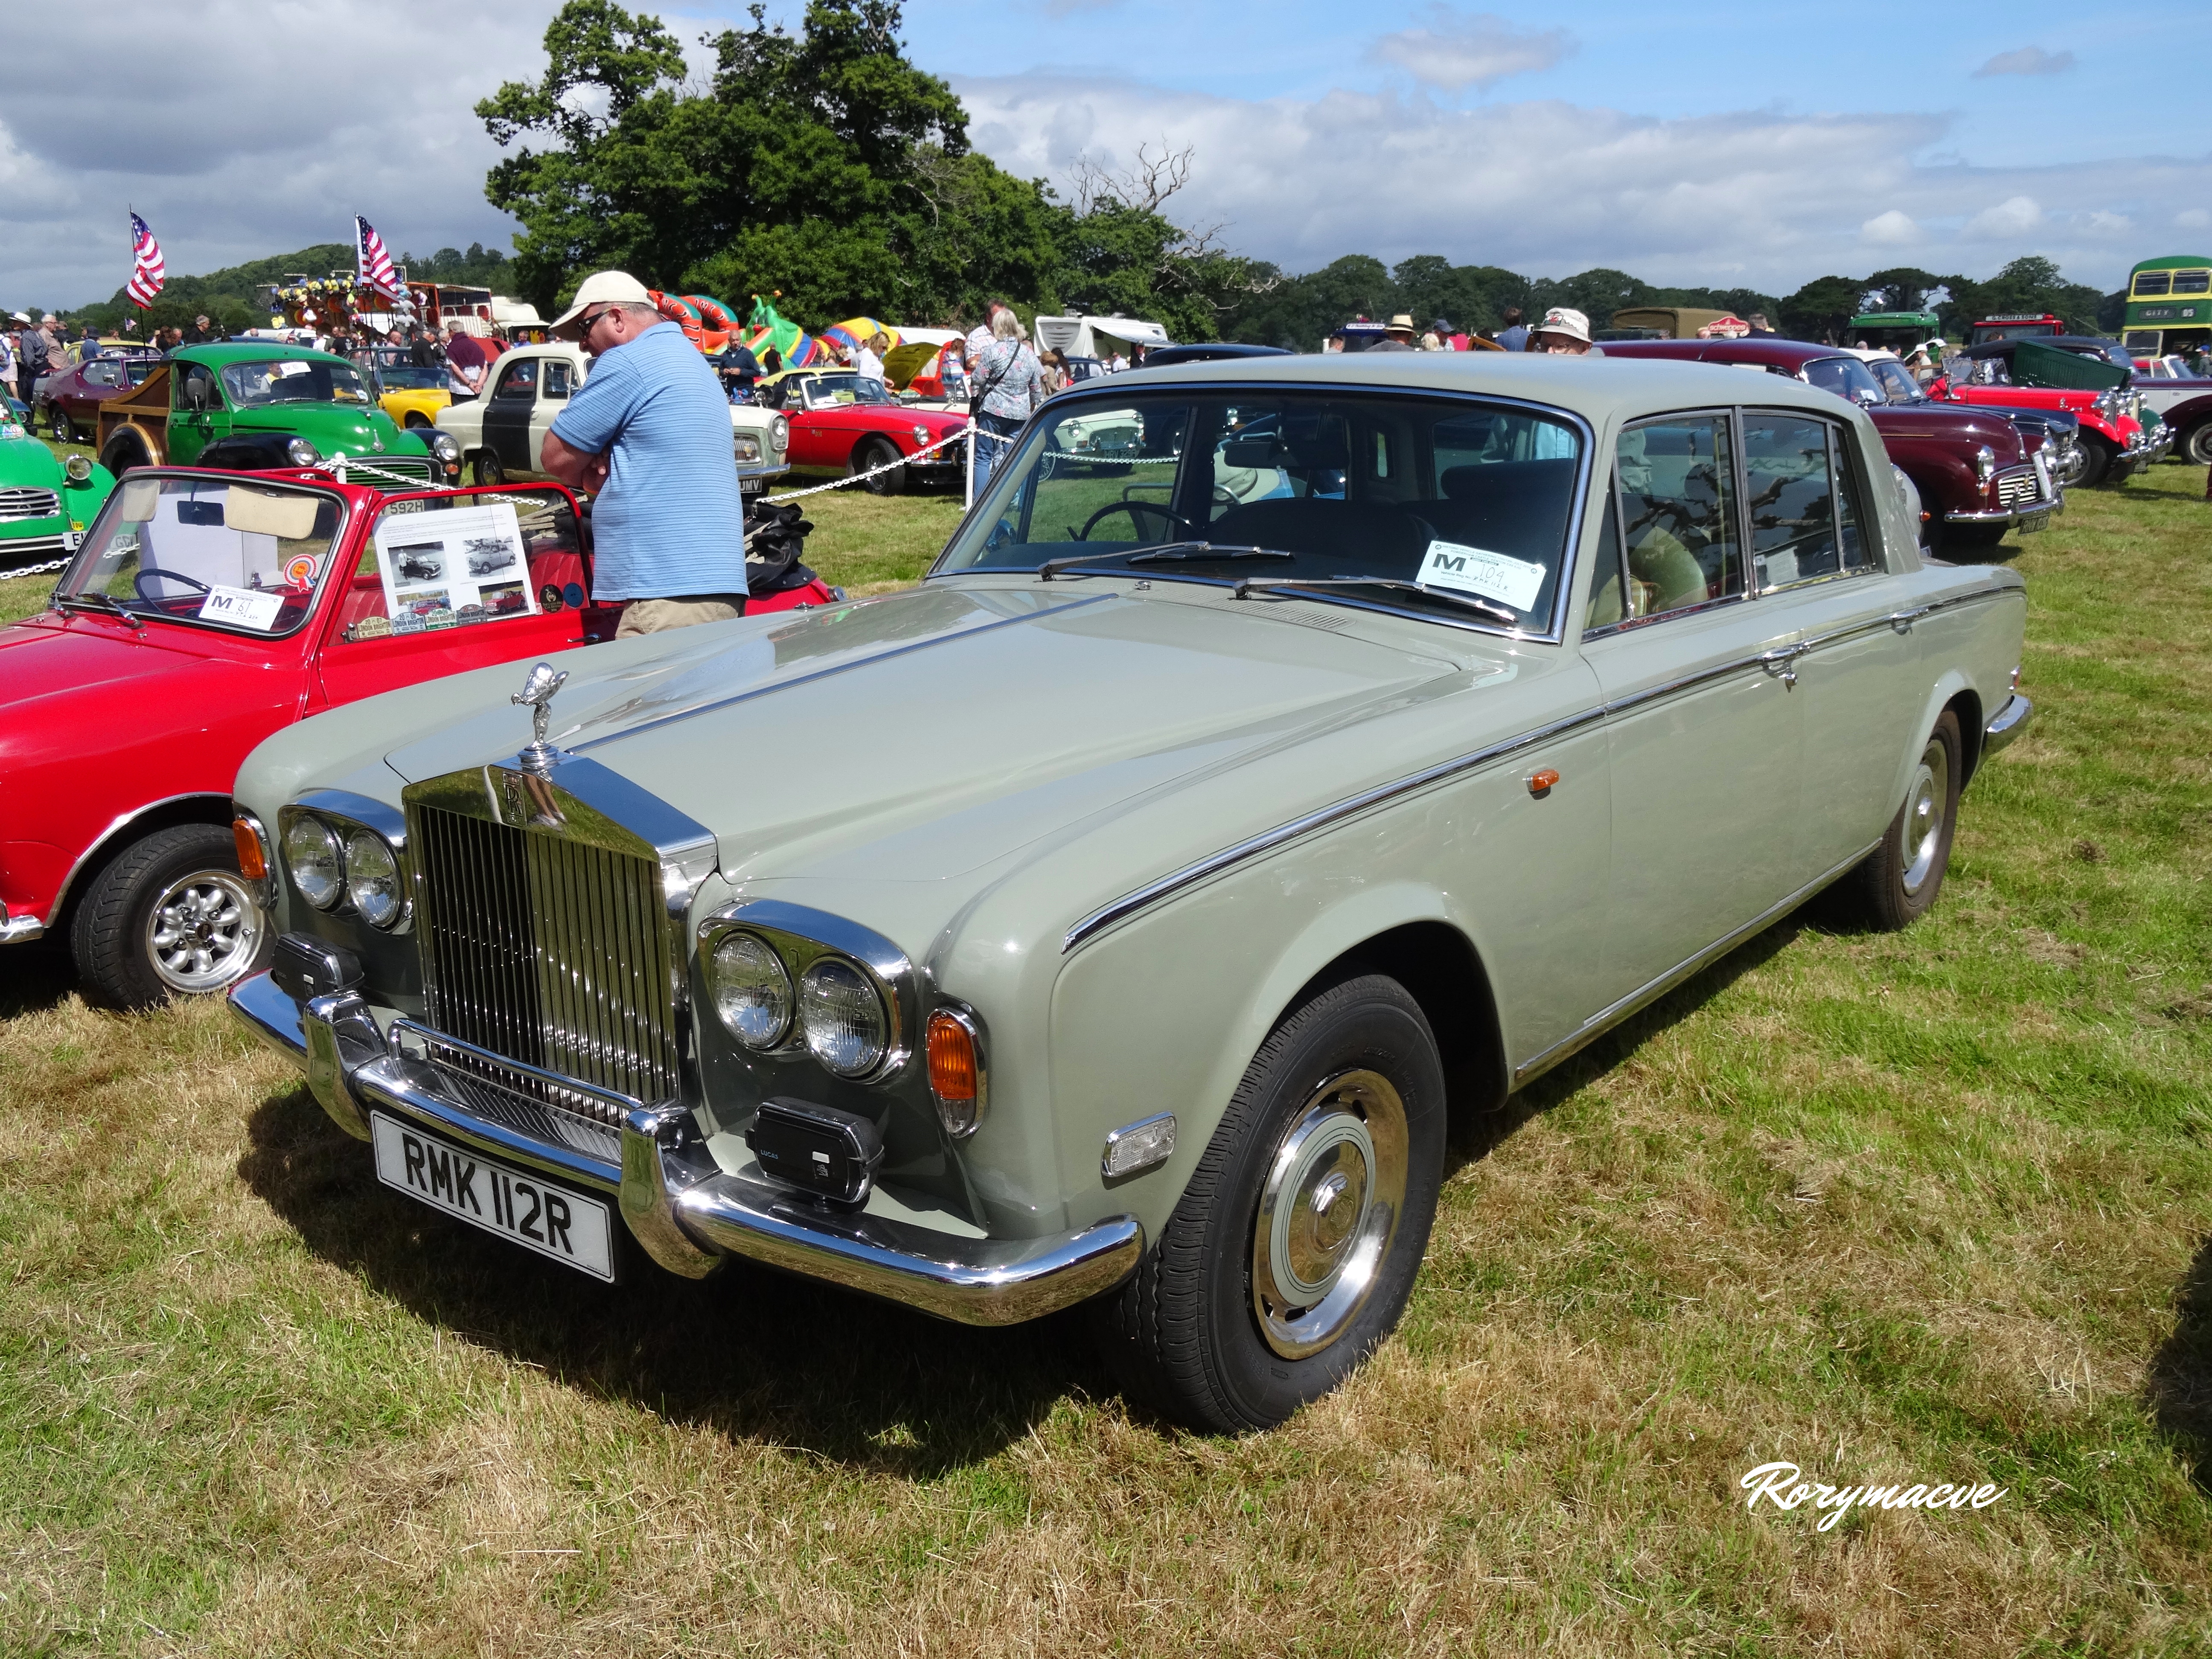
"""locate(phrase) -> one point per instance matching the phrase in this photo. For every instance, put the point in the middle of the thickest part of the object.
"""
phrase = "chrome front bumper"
(19, 930)
(2010, 722)
(2034, 515)
(689, 1213)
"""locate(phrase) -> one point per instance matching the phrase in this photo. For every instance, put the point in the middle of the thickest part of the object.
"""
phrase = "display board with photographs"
(466, 564)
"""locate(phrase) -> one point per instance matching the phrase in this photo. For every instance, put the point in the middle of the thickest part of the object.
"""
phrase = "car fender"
(195, 806)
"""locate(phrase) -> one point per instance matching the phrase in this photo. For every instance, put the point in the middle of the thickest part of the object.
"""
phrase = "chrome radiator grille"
(551, 951)
(17, 505)
(2016, 487)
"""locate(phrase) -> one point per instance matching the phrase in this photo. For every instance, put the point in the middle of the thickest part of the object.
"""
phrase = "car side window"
(518, 381)
(1806, 521)
(556, 378)
(559, 575)
(1675, 482)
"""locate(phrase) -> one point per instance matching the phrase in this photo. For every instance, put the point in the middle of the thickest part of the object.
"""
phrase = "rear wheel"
(1294, 1247)
(1899, 880)
(170, 915)
(2196, 443)
(488, 469)
(880, 451)
(57, 421)
(125, 450)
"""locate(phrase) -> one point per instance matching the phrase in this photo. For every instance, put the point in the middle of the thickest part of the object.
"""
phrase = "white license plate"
(554, 1221)
(72, 540)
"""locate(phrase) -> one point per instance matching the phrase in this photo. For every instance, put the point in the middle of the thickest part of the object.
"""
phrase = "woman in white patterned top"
(1010, 382)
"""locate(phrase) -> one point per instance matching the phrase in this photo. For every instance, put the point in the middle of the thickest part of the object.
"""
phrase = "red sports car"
(204, 611)
(69, 403)
(853, 424)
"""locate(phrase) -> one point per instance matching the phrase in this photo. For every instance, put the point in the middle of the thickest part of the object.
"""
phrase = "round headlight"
(302, 453)
(778, 432)
(751, 991)
(848, 1027)
(311, 853)
(77, 469)
(443, 447)
(373, 879)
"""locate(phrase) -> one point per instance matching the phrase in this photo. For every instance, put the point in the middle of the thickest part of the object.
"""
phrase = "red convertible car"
(853, 424)
(204, 611)
(1979, 475)
(68, 403)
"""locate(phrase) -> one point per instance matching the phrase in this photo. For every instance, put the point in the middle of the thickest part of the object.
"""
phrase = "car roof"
(1790, 355)
(250, 351)
(1594, 387)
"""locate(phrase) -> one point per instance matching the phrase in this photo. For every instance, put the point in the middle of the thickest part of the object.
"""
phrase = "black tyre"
(2196, 445)
(416, 422)
(1294, 1247)
(169, 915)
(880, 451)
(2098, 455)
(124, 451)
(486, 466)
(1899, 880)
(57, 423)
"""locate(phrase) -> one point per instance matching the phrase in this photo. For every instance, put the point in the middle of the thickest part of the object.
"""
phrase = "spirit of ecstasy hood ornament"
(537, 695)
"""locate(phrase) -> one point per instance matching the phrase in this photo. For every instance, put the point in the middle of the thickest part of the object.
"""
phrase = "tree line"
(823, 167)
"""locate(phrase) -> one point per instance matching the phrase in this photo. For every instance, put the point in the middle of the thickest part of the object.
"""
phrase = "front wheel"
(880, 453)
(488, 469)
(1294, 1248)
(57, 421)
(1899, 879)
(2097, 457)
(2196, 444)
(170, 916)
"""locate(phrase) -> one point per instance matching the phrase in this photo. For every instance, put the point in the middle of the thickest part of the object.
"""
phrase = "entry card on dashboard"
(242, 607)
(1478, 570)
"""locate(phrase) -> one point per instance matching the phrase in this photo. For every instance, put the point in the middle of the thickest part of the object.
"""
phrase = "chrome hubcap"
(1921, 836)
(1328, 1213)
(204, 932)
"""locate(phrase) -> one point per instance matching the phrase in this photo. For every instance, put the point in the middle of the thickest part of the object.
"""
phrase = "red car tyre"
(169, 915)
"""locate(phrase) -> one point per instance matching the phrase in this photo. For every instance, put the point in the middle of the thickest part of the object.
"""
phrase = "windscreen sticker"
(1477, 570)
(301, 572)
(242, 607)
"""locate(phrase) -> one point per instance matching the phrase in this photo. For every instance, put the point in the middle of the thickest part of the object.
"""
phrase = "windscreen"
(245, 558)
(1457, 496)
(292, 380)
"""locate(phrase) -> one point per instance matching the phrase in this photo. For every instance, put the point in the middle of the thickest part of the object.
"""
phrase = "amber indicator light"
(952, 1058)
(1541, 783)
(250, 863)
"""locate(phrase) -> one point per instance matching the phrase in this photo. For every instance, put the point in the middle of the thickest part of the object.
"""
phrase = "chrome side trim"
(1600, 1023)
(655, 724)
(1267, 840)
(2010, 722)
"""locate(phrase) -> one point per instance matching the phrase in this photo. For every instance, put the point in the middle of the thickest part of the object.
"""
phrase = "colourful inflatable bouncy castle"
(856, 331)
(766, 327)
(718, 325)
(680, 311)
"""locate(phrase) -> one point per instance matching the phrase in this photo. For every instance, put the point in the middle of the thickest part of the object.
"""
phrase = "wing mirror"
(196, 390)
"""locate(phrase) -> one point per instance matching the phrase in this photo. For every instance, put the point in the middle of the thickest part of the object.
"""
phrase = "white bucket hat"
(601, 288)
(1565, 319)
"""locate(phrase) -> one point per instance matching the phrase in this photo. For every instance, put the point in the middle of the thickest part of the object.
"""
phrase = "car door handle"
(1782, 664)
(1902, 621)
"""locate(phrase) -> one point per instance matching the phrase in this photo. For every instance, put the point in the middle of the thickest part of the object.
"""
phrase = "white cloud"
(1890, 230)
(2193, 219)
(2102, 223)
(1761, 198)
(2014, 216)
(1460, 50)
(2028, 60)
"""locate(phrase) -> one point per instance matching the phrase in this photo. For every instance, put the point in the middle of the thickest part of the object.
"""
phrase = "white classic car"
(501, 435)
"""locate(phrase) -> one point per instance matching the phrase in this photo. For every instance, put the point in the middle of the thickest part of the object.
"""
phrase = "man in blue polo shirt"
(649, 431)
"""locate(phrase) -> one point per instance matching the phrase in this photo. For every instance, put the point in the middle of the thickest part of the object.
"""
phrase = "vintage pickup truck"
(1223, 815)
(502, 435)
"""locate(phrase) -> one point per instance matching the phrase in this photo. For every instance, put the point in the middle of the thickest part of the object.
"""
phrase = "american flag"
(372, 264)
(147, 273)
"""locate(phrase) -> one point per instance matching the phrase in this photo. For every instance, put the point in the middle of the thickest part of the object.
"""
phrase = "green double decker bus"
(2169, 306)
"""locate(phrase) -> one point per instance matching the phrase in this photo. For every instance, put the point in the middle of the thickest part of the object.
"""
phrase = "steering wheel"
(138, 583)
(1133, 508)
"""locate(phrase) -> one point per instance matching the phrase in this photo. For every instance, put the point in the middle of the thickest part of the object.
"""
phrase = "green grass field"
(1934, 1206)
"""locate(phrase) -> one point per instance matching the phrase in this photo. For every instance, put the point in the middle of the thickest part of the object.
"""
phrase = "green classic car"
(252, 404)
(1224, 819)
(45, 501)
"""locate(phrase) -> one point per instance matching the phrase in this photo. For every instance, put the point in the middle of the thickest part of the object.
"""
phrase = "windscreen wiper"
(1160, 553)
(101, 602)
(1293, 584)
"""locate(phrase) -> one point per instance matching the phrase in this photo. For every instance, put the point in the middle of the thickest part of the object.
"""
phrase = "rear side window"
(444, 570)
(1806, 522)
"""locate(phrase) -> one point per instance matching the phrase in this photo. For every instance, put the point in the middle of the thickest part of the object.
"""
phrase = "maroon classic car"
(1979, 475)
(853, 424)
(69, 403)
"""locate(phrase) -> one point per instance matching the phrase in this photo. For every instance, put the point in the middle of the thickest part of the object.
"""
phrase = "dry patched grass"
(1926, 1207)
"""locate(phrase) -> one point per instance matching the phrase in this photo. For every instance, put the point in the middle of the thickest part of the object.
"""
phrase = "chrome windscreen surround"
(552, 900)
(800, 935)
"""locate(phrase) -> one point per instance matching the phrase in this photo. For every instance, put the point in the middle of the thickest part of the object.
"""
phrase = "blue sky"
(1733, 144)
